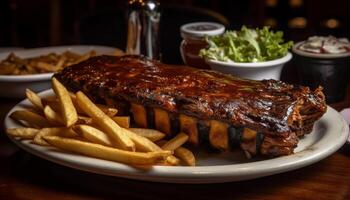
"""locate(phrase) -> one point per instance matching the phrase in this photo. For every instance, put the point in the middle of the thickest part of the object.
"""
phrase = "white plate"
(14, 85)
(329, 134)
(346, 114)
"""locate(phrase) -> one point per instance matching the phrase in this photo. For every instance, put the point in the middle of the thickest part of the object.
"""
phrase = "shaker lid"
(201, 29)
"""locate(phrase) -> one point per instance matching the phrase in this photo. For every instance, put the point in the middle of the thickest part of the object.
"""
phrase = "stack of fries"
(52, 62)
(72, 122)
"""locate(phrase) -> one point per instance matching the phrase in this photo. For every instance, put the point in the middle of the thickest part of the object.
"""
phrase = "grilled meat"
(264, 117)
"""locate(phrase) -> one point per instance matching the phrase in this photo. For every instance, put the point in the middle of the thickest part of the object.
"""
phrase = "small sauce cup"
(329, 70)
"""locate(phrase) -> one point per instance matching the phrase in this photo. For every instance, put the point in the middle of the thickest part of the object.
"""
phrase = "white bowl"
(14, 86)
(256, 71)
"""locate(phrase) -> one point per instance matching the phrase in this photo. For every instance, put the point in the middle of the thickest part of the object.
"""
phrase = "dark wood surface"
(24, 176)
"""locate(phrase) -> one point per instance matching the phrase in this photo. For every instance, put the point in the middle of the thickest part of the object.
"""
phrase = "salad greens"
(246, 45)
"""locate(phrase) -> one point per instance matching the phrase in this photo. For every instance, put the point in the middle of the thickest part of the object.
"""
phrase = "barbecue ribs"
(224, 111)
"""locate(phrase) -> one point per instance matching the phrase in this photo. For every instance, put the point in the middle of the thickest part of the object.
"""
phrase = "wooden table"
(23, 176)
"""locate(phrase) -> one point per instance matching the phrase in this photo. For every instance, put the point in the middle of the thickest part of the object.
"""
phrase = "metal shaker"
(143, 28)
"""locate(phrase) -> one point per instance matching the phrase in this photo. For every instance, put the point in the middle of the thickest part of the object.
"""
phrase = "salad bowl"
(254, 70)
(248, 53)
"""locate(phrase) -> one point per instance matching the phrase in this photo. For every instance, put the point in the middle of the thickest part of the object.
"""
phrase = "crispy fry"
(111, 112)
(106, 153)
(55, 131)
(54, 103)
(52, 116)
(94, 135)
(22, 133)
(185, 155)
(151, 134)
(145, 145)
(75, 103)
(68, 110)
(7, 69)
(142, 143)
(113, 130)
(171, 160)
(46, 67)
(60, 63)
(34, 99)
(175, 142)
(123, 121)
(32, 118)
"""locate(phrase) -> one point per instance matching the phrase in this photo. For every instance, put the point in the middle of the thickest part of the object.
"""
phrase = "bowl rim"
(270, 63)
(317, 55)
(43, 76)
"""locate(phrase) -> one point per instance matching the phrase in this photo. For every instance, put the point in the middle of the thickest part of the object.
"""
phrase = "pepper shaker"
(143, 28)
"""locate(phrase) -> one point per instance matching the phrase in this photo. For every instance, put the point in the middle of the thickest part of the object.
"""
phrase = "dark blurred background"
(39, 23)
(55, 22)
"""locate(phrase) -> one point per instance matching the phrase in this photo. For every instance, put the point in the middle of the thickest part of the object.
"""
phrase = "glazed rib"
(281, 112)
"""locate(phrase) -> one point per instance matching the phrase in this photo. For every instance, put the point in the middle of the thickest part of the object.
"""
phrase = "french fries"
(34, 99)
(30, 117)
(54, 104)
(43, 66)
(113, 130)
(62, 131)
(72, 122)
(23, 133)
(52, 116)
(151, 134)
(143, 144)
(14, 65)
(69, 113)
(172, 161)
(185, 155)
(176, 142)
(107, 153)
(94, 135)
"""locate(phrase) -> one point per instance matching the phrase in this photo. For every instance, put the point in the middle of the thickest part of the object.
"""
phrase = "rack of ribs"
(222, 111)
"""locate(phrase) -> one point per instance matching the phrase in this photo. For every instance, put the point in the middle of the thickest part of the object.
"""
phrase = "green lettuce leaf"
(246, 45)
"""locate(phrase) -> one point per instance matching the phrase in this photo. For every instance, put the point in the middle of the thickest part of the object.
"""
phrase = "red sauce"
(194, 35)
(189, 51)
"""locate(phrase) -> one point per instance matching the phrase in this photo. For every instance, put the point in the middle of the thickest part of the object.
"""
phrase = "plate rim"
(183, 174)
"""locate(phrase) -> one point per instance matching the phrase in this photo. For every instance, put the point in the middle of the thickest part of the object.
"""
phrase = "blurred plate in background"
(13, 86)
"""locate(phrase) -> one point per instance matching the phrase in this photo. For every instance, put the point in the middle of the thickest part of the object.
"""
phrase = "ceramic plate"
(329, 134)
(346, 114)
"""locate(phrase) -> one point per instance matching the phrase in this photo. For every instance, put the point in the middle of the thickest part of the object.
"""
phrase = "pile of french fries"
(52, 62)
(73, 123)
